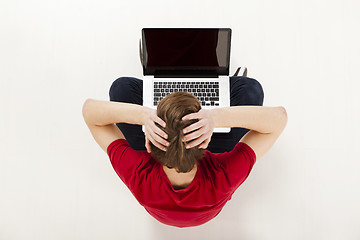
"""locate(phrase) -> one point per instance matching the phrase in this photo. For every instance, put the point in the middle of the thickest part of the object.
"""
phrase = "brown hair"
(171, 109)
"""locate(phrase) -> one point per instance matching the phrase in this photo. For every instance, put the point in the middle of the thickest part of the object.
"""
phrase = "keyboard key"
(214, 99)
(212, 103)
(216, 104)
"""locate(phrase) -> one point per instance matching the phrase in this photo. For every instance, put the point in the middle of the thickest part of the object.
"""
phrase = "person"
(179, 170)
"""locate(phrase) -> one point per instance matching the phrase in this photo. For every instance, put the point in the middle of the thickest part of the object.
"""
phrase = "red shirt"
(218, 176)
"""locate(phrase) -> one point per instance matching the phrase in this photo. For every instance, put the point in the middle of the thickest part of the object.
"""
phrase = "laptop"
(194, 60)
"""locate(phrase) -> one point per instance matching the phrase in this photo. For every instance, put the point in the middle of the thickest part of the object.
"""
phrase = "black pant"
(243, 91)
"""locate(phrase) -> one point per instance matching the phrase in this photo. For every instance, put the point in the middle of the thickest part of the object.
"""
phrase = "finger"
(191, 136)
(195, 142)
(193, 127)
(159, 131)
(147, 145)
(155, 142)
(205, 144)
(202, 146)
(153, 137)
(191, 116)
(146, 137)
(159, 121)
(159, 139)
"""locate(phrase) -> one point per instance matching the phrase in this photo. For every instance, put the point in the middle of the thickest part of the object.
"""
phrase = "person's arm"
(265, 124)
(100, 117)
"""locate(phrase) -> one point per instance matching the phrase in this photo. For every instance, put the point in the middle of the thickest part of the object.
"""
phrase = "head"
(171, 109)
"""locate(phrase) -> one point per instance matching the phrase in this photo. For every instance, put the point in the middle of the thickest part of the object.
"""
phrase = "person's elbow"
(283, 118)
(86, 110)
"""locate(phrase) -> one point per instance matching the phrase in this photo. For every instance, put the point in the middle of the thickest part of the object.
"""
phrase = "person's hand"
(203, 129)
(152, 132)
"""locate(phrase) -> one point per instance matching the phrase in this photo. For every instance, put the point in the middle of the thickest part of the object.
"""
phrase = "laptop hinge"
(185, 75)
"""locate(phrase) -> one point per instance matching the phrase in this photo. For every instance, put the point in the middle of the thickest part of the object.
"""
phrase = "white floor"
(56, 183)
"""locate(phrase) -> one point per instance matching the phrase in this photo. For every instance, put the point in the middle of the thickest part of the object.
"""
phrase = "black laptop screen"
(186, 51)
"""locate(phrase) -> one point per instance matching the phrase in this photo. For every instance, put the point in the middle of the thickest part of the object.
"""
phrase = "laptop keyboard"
(206, 92)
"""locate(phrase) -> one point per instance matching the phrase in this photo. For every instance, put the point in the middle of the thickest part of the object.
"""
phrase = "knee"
(120, 89)
(120, 83)
(254, 86)
(250, 90)
(254, 92)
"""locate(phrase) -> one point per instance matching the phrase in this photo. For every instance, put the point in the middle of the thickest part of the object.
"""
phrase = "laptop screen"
(186, 51)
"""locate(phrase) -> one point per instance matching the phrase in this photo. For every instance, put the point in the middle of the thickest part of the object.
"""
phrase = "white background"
(56, 183)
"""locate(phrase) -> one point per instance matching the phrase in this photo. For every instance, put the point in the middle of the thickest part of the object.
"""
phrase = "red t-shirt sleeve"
(124, 160)
(237, 164)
